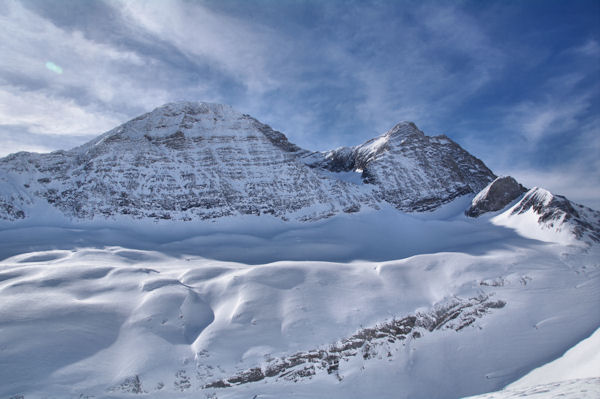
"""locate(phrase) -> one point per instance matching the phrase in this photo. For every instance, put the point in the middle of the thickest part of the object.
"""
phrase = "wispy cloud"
(38, 110)
(573, 181)
(439, 61)
(241, 49)
(591, 48)
(557, 107)
(553, 115)
(30, 43)
(58, 82)
(93, 76)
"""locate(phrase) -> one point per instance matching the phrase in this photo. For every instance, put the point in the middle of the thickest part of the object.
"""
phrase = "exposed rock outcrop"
(557, 213)
(495, 196)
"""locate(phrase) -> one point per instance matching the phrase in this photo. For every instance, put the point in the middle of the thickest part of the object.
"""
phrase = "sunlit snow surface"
(587, 388)
(573, 375)
(107, 321)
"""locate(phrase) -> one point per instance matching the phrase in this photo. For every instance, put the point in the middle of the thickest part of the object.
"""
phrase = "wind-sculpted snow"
(380, 340)
(114, 322)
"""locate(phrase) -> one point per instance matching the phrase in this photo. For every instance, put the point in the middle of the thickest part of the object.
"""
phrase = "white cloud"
(99, 86)
(10, 146)
(558, 109)
(92, 72)
(554, 115)
(42, 113)
(29, 42)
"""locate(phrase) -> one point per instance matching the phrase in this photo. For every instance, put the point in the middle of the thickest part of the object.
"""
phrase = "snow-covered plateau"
(194, 252)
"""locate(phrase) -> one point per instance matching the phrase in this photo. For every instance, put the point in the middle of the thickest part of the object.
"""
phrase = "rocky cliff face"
(189, 161)
(181, 161)
(408, 169)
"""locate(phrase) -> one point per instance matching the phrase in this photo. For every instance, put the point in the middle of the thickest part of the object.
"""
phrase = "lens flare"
(53, 67)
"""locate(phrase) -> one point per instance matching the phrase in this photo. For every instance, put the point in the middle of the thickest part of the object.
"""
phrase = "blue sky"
(517, 83)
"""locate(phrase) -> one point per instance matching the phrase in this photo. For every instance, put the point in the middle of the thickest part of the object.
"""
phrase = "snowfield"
(587, 388)
(573, 375)
(412, 320)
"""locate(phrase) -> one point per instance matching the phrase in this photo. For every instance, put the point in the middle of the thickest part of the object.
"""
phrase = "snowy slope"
(580, 362)
(544, 216)
(574, 375)
(585, 388)
(93, 321)
(181, 161)
(109, 322)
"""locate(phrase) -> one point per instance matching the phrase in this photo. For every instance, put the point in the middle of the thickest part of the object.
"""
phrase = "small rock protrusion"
(496, 196)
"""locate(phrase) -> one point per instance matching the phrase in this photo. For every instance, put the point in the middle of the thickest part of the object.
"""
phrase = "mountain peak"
(550, 217)
(183, 119)
(195, 108)
(495, 196)
(404, 129)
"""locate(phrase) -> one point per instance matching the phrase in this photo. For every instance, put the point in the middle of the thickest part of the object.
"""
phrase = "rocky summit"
(495, 196)
(410, 170)
(195, 161)
(555, 212)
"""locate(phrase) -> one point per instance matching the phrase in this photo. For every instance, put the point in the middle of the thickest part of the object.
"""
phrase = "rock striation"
(182, 161)
(557, 213)
(408, 169)
(202, 161)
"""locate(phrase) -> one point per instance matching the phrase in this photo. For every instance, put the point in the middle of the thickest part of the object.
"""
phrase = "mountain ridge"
(188, 161)
(191, 161)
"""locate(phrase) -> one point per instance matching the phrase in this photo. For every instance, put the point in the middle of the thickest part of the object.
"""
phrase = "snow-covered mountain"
(183, 161)
(408, 169)
(540, 214)
(190, 161)
(195, 252)
(536, 213)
